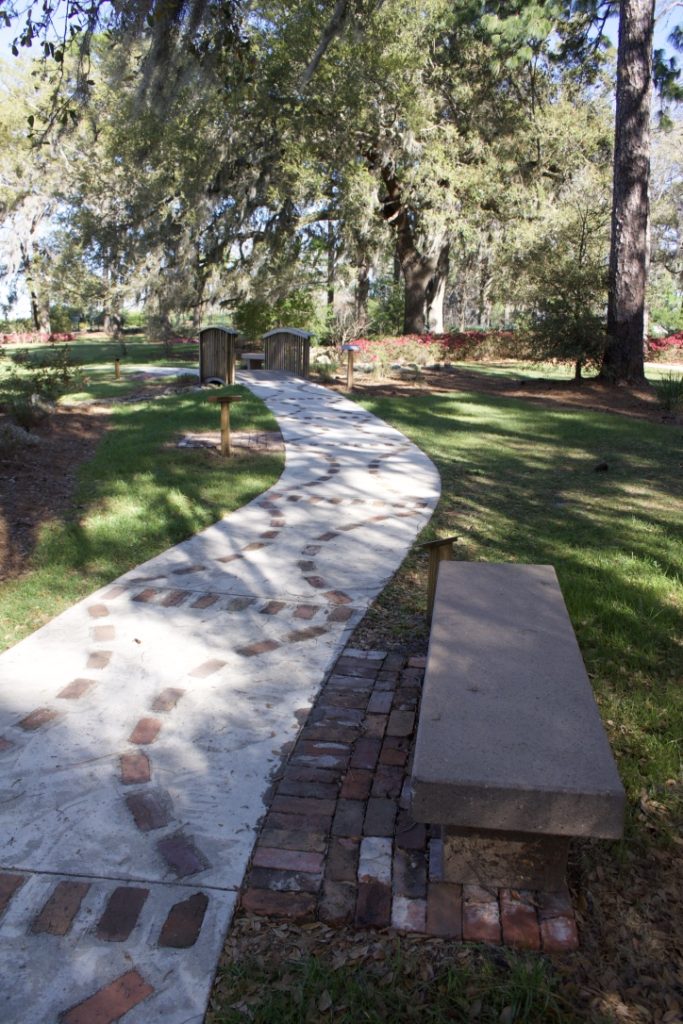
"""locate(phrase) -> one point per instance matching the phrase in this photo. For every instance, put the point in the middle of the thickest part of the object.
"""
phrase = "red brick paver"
(347, 778)
(110, 1003)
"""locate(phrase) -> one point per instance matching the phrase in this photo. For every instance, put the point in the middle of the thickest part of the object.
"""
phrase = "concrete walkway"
(139, 729)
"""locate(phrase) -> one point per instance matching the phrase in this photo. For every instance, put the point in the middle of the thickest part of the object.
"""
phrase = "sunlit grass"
(139, 495)
(523, 484)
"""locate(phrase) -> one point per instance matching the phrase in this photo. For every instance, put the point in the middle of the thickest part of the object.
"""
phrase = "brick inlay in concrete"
(151, 809)
(9, 884)
(103, 634)
(207, 668)
(261, 647)
(97, 611)
(238, 604)
(205, 601)
(184, 922)
(135, 768)
(175, 598)
(299, 635)
(98, 659)
(273, 607)
(146, 596)
(76, 688)
(111, 1002)
(340, 614)
(181, 855)
(305, 611)
(121, 913)
(167, 699)
(37, 719)
(58, 913)
(5, 744)
(146, 731)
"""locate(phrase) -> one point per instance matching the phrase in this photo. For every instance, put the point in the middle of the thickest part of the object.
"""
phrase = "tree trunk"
(362, 294)
(424, 277)
(331, 264)
(623, 358)
(436, 291)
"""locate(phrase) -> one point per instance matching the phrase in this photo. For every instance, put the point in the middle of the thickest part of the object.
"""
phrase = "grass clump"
(139, 495)
(669, 391)
(284, 975)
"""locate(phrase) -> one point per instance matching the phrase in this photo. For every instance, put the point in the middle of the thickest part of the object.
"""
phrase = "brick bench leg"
(515, 860)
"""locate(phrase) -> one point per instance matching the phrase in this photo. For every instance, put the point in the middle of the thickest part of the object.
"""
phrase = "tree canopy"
(233, 153)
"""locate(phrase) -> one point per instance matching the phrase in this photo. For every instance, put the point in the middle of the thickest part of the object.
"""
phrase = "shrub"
(40, 378)
(665, 350)
(425, 349)
(29, 411)
(669, 391)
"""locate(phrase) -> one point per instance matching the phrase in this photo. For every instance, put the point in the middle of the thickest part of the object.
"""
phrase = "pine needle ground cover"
(138, 495)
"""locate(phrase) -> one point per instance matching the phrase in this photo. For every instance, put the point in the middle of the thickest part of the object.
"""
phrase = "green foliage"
(669, 391)
(37, 378)
(254, 317)
(385, 307)
(563, 278)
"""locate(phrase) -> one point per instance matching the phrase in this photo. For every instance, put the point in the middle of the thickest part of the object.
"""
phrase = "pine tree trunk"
(623, 357)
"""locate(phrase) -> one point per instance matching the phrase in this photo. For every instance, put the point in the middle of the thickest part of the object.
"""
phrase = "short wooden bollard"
(439, 551)
(117, 368)
(350, 349)
(225, 402)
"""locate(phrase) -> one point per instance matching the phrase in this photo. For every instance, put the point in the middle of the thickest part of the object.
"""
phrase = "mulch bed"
(38, 483)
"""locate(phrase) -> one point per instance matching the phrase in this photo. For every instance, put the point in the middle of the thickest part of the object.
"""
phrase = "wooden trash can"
(217, 355)
(287, 349)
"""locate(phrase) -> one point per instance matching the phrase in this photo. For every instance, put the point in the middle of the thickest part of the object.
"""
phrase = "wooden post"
(117, 368)
(349, 349)
(439, 551)
(225, 401)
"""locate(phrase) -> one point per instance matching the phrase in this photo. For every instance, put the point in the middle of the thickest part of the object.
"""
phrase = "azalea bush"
(666, 350)
(430, 349)
(35, 337)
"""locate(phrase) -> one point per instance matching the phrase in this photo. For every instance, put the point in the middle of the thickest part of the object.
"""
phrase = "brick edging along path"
(338, 843)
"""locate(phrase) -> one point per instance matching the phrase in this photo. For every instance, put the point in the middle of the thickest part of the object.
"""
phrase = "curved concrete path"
(139, 729)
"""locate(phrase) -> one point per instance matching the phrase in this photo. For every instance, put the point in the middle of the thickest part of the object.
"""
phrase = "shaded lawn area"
(526, 485)
(137, 496)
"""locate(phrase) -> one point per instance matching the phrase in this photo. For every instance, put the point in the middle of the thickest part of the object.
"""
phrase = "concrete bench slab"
(510, 740)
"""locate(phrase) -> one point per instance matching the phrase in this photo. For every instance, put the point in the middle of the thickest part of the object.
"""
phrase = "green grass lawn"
(520, 370)
(137, 496)
(94, 356)
(520, 484)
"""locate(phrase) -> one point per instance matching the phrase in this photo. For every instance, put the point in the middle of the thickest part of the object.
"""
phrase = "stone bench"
(511, 756)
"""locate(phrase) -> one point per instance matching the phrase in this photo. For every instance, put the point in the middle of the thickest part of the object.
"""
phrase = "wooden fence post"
(439, 551)
(225, 401)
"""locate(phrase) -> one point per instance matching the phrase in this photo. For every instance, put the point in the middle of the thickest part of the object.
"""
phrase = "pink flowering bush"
(35, 338)
(666, 350)
(423, 349)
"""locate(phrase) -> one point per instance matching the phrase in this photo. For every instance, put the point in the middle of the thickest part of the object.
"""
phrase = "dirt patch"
(640, 403)
(38, 483)
(248, 441)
